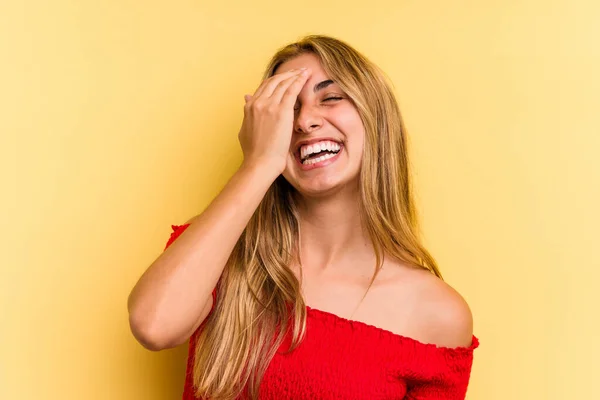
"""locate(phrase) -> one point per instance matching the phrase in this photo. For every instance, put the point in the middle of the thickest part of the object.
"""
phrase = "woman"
(305, 277)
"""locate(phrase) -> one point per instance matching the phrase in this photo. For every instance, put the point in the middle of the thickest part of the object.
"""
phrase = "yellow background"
(119, 118)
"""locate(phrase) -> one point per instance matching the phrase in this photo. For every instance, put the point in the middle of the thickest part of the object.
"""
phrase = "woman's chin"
(322, 185)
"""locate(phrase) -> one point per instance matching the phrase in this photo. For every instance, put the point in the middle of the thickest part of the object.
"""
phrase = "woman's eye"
(328, 98)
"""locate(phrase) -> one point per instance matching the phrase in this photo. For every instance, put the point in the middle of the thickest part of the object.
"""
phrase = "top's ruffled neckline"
(336, 319)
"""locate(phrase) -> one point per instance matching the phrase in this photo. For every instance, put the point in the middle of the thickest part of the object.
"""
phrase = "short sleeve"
(445, 374)
(177, 230)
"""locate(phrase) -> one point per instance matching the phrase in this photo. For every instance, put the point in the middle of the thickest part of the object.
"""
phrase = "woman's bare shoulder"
(445, 318)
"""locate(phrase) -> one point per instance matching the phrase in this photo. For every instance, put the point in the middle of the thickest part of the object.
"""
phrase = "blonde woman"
(305, 278)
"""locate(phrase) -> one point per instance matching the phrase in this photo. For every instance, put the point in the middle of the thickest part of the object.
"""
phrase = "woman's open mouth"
(318, 160)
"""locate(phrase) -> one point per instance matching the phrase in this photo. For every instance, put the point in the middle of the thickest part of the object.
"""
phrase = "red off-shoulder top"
(351, 360)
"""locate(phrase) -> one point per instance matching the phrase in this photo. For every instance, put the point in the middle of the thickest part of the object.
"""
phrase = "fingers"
(269, 84)
(287, 91)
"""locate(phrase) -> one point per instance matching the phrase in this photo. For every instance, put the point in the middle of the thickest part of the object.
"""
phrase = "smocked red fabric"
(351, 360)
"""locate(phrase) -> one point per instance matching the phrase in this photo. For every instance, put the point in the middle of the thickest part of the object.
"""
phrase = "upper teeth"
(307, 150)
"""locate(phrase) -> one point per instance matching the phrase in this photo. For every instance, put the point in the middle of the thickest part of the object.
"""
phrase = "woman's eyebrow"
(322, 85)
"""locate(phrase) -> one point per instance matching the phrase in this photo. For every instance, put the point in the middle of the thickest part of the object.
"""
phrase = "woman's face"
(323, 114)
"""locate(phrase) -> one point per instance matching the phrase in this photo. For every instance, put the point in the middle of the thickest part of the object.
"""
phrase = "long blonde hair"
(258, 295)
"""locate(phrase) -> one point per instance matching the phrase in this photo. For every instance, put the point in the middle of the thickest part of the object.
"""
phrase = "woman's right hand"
(266, 132)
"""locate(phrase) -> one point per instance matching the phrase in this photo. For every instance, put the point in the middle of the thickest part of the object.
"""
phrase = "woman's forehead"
(305, 60)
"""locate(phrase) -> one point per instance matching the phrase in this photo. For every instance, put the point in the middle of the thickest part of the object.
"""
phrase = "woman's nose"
(308, 119)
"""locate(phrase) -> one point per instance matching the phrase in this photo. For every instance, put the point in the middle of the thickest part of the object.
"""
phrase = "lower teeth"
(316, 160)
